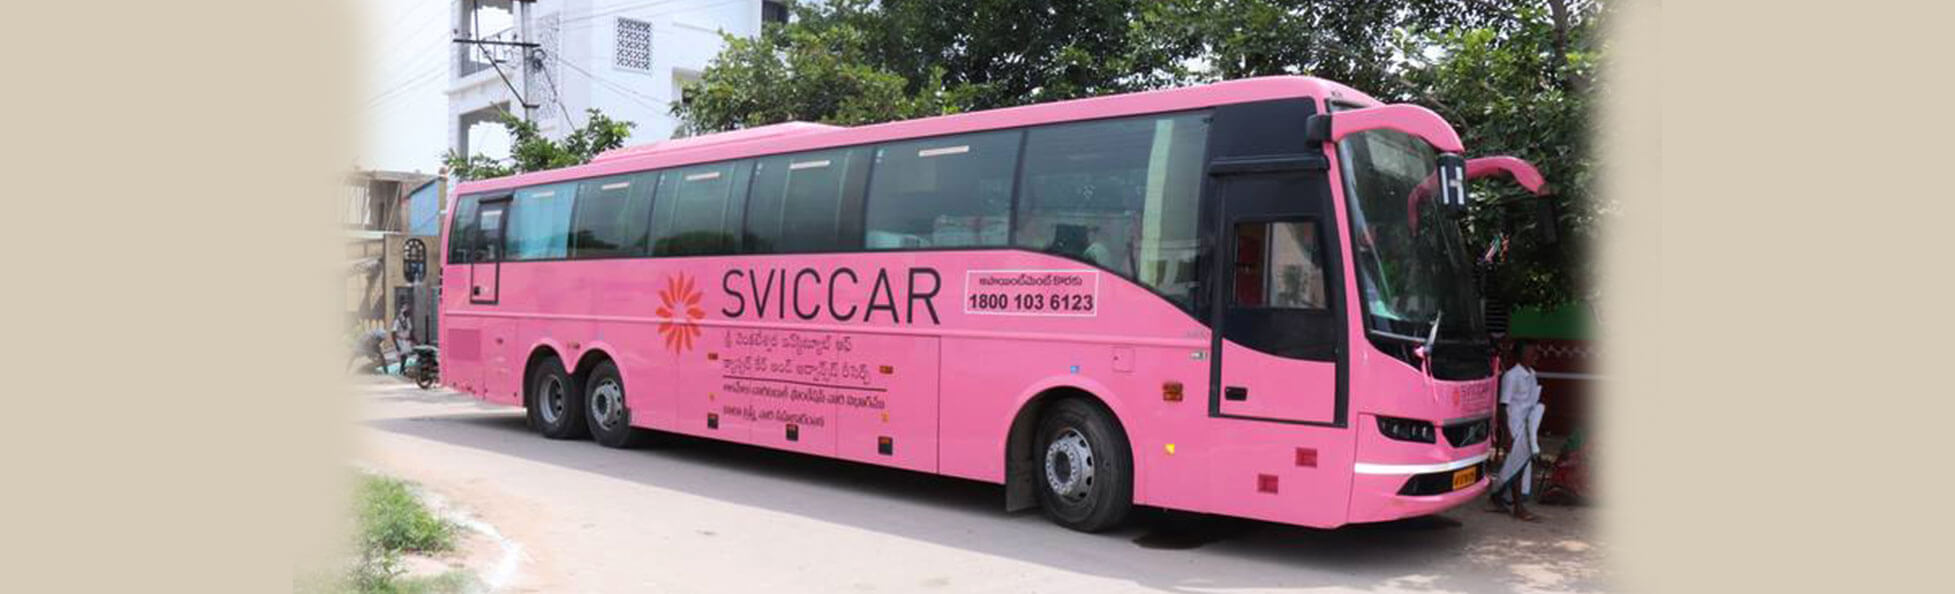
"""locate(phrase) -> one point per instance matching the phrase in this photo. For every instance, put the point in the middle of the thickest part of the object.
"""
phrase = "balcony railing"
(476, 57)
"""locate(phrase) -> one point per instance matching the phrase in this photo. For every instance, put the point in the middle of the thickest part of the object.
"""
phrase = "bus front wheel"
(556, 405)
(1083, 467)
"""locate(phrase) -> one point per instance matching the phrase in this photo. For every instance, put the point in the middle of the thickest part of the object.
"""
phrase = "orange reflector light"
(1171, 391)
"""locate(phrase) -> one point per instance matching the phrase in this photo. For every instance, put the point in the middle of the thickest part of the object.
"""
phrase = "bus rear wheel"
(610, 419)
(1084, 469)
(556, 405)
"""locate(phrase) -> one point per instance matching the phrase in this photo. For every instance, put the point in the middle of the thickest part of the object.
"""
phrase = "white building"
(627, 58)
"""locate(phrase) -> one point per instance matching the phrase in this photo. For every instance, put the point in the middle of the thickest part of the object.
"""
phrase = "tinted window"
(611, 218)
(462, 231)
(1121, 194)
(943, 192)
(810, 202)
(695, 213)
(539, 222)
(1279, 264)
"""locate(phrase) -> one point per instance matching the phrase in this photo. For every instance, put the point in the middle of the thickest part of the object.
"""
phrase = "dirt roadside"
(706, 516)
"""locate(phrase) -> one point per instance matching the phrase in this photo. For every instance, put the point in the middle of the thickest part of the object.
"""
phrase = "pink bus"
(1248, 298)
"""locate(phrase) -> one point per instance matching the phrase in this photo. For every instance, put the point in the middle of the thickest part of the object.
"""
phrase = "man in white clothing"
(1520, 396)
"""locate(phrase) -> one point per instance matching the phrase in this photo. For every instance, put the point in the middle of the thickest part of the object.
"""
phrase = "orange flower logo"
(679, 306)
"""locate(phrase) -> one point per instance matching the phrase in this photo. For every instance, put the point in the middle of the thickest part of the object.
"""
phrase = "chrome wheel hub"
(608, 404)
(1069, 466)
(551, 399)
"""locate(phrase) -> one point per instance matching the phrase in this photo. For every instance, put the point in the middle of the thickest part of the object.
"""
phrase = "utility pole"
(522, 53)
(518, 88)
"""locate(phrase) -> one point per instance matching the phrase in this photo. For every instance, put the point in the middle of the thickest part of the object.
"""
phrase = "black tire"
(1098, 497)
(426, 377)
(615, 431)
(555, 402)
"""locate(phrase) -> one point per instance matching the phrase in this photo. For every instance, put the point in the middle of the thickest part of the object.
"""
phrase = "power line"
(626, 92)
(400, 91)
(409, 70)
(421, 76)
(397, 25)
(400, 18)
(425, 46)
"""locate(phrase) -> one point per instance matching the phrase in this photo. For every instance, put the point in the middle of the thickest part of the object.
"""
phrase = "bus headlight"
(1406, 429)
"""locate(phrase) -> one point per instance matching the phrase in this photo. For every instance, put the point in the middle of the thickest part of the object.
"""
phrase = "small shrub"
(392, 519)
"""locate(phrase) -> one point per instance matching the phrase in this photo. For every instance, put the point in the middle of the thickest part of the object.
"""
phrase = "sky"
(406, 46)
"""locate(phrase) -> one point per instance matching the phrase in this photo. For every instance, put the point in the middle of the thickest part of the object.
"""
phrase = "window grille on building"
(634, 45)
(773, 12)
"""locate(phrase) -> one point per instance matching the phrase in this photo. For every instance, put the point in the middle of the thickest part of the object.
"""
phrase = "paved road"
(700, 516)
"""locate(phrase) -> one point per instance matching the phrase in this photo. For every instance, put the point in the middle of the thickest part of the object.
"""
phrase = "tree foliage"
(819, 71)
(1521, 87)
(530, 150)
(1514, 76)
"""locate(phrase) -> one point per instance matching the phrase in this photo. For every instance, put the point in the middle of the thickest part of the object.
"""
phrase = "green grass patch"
(391, 518)
(392, 521)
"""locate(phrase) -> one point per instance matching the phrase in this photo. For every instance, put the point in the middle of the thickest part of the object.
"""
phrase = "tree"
(858, 62)
(1521, 86)
(809, 71)
(1002, 53)
(531, 151)
(1513, 76)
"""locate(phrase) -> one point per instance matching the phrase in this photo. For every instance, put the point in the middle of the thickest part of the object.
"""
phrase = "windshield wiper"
(1432, 336)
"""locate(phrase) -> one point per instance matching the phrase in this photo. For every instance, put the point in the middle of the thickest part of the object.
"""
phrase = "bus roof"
(794, 137)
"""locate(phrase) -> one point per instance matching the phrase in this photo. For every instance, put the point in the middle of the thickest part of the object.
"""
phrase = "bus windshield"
(1413, 267)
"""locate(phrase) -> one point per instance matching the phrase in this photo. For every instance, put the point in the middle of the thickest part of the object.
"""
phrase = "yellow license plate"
(1465, 477)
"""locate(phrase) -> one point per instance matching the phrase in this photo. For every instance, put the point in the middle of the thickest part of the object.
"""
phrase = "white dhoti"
(1524, 426)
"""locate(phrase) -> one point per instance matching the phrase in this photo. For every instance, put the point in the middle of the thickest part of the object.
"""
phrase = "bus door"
(1277, 349)
(484, 273)
(485, 289)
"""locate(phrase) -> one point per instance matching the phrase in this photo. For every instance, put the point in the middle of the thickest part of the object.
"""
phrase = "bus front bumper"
(1382, 492)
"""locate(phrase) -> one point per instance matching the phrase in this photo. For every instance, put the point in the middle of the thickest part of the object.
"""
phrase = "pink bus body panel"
(925, 384)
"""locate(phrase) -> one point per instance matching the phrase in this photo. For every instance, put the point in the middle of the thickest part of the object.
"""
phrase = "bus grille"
(1468, 433)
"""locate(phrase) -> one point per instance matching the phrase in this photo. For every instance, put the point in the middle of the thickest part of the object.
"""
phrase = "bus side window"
(538, 222)
(697, 211)
(953, 191)
(1121, 194)
(611, 215)
(804, 202)
(462, 231)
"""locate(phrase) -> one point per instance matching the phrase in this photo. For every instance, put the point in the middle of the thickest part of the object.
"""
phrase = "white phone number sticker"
(1032, 292)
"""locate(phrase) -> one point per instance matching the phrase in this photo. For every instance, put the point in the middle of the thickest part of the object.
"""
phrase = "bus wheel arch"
(1022, 470)
(589, 360)
(537, 355)
(544, 371)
